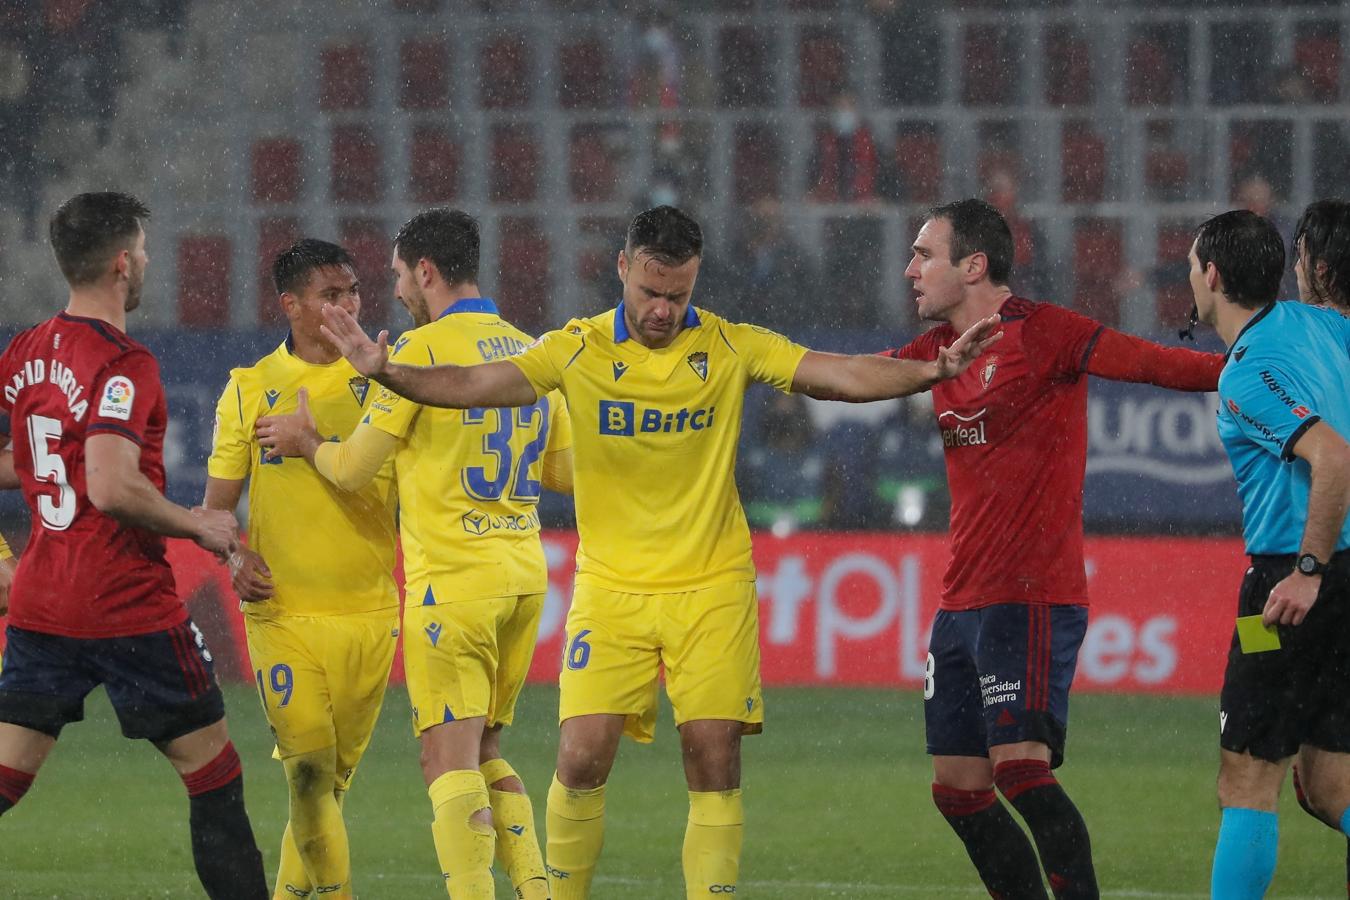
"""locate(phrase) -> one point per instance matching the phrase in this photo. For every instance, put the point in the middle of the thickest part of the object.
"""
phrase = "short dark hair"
(669, 236)
(88, 229)
(448, 237)
(1323, 236)
(977, 227)
(1248, 252)
(293, 266)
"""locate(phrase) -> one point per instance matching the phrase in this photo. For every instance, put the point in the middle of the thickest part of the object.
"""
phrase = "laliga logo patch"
(360, 386)
(118, 395)
(699, 363)
(987, 373)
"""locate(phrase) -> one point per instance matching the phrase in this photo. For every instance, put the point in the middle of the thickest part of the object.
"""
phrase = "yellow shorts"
(468, 658)
(322, 679)
(707, 640)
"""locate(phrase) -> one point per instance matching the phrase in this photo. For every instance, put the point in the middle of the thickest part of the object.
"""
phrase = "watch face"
(1307, 564)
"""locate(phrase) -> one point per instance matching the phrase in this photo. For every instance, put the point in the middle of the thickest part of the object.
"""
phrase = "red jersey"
(1014, 433)
(83, 574)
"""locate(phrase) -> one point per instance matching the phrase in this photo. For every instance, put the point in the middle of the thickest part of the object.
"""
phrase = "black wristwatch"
(1309, 565)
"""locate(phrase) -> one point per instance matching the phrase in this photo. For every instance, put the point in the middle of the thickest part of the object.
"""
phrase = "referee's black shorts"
(1274, 702)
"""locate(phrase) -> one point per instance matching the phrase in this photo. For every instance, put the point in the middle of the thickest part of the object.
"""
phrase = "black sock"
(996, 845)
(223, 849)
(1059, 830)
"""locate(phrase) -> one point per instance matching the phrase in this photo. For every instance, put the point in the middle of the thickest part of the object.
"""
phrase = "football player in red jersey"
(1014, 605)
(93, 601)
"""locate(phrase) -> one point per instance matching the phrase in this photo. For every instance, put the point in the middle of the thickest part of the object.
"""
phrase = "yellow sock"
(463, 846)
(712, 843)
(576, 834)
(517, 845)
(316, 829)
(292, 879)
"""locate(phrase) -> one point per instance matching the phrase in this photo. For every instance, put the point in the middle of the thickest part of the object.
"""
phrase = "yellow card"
(1254, 637)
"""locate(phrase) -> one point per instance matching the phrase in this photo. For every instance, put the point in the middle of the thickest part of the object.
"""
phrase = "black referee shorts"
(1274, 702)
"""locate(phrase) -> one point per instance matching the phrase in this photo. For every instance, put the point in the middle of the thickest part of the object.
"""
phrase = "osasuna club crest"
(988, 370)
(699, 363)
(360, 386)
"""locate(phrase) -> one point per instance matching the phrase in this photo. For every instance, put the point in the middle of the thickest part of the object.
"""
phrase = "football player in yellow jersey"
(469, 484)
(320, 602)
(664, 574)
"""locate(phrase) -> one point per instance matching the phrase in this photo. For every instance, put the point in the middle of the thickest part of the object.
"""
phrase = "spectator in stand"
(846, 164)
(1001, 190)
(783, 469)
(770, 277)
(1255, 194)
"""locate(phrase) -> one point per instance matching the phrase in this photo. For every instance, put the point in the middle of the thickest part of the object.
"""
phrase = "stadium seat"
(523, 289)
(1151, 74)
(1068, 67)
(584, 77)
(1083, 164)
(433, 165)
(755, 162)
(504, 67)
(1317, 56)
(918, 159)
(1166, 168)
(355, 164)
(274, 235)
(1098, 251)
(275, 170)
(346, 77)
(822, 67)
(204, 280)
(1174, 297)
(592, 170)
(514, 176)
(745, 70)
(989, 72)
(424, 77)
(369, 243)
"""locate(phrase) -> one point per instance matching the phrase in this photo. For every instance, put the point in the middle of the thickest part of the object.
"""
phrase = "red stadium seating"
(745, 69)
(918, 158)
(1166, 170)
(1099, 255)
(274, 235)
(1151, 75)
(355, 164)
(275, 170)
(1068, 67)
(822, 71)
(434, 165)
(514, 176)
(504, 67)
(346, 77)
(203, 280)
(524, 264)
(755, 165)
(584, 77)
(1317, 56)
(1083, 164)
(424, 77)
(989, 74)
(1174, 297)
(592, 170)
(370, 244)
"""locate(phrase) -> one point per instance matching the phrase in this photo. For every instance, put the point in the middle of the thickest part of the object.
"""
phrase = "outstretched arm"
(455, 387)
(858, 379)
(1123, 357)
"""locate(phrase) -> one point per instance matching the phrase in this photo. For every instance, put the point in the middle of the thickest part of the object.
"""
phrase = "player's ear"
(426, 271)
(1212, 279)
(623, 266)
(289, 303)
(977, 264)
(122, 264)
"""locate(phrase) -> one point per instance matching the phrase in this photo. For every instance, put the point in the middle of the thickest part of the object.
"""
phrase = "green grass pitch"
(837, 796)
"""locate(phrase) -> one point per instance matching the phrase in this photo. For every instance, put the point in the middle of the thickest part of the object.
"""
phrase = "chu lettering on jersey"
(962, 431)
(55, 373)
(623, 418)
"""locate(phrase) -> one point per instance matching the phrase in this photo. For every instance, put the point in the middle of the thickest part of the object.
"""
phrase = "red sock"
(215, 774)
(13, 785)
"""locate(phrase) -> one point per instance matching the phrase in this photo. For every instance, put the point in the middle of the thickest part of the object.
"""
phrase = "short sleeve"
(769, 357)
(542, 362)
(128, 391)
(388, 411)
(560, 425)
(1267, 404)
(1061, 340)
(923, 348)
(232, 438)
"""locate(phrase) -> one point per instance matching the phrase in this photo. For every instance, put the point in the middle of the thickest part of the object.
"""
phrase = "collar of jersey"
(621, 334)
(1265, 311)
(471, 305)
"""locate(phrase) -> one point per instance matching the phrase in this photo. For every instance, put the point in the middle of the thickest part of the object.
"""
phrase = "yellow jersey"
(655, 456)
(330, 552)
(469, 479)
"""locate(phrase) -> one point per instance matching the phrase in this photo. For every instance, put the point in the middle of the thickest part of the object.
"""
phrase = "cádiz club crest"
(360, 385)
(699, 363)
